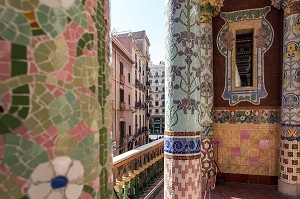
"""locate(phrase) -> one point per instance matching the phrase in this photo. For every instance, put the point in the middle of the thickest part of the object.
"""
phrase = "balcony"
(136, 170)
(137, 83)
(138, 104)
(141, 86)
(122, 79)
(122, 106)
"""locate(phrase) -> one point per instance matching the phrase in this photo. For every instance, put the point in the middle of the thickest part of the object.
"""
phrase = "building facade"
(122, 98)
(137, 44)
(157, 97)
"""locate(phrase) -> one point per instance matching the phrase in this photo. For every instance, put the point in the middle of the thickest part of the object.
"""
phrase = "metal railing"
(135, 170)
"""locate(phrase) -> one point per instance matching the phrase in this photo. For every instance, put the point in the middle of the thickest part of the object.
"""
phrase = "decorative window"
(243, 40)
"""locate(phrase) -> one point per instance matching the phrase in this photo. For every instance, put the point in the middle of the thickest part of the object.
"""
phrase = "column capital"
(211, 6)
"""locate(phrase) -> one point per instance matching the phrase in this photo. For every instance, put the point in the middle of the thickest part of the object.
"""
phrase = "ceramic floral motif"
(57, 179)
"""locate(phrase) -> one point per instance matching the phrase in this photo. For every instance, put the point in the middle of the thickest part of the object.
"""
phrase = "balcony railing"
(122, 106)
(136, 170)
(122, 79)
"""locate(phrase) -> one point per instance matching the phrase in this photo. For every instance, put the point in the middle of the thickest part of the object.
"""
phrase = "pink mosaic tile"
(235, 151)
(254, 161)
(245, 134)
(264, 144)
(218, 142)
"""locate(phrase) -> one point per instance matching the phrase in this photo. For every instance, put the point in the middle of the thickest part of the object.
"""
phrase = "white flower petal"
(42, 173)
(61, 165)
(76, 171)
(57, 194)
(39, 191)
(73, 191)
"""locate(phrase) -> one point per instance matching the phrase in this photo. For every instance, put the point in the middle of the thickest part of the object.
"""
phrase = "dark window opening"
(244, 59)
(129, 77)
(121, 68)
(121, 95)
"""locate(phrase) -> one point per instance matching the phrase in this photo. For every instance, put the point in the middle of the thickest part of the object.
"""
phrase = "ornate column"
(289, 179)
(54, 107)
(182, 133)
(208, 10)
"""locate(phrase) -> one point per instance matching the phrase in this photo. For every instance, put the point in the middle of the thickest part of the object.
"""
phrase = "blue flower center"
(59, 182)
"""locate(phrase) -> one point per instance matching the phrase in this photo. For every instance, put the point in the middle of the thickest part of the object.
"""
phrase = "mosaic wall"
(247, 149)
(247, 140)
(182, 132)
(263, 37)
(290, 112)
(54, 117)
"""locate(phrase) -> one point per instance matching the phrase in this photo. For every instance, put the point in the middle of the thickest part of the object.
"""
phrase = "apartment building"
(131, 126)
(157, 97)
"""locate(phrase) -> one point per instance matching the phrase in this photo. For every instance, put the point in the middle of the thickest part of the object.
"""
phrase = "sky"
(137, 15)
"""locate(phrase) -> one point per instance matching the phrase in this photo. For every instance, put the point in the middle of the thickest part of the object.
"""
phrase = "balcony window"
(121, 68)
(129, 77)
(156, 110)
(121, 95)
(129, 130)
(122, 131)
(128, 99)
(163, 74)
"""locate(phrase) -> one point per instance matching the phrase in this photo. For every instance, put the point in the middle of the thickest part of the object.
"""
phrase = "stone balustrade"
(135, 170)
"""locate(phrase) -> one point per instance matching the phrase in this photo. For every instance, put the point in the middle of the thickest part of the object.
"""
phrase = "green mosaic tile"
(85, 71)
(52, 20)
(89, 190)
(92, 172)
(87, 40)
(19, 161)
(38, 32)
(9, 189)
(25, 5)
(14, 26)
(21, 89)
(67, 108)
(18, 68)
(87, 150)
(93, 89)
(38, 120)
(78, 14)
(65, 145)
(91, 112)
(8, 123)
(104, 193)
(51, 55)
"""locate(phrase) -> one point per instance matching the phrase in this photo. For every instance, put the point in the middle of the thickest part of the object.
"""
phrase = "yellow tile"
(235, 143)
(264, 127)
(235, 168)
(273, 171)
(244, 169)
(245, 152)
(236, 160)
(263, 170)
(254, 134)
(245, 143)
(254, 144)
(253, 170)
(264, 134)
(254, 152)
(254, 127)
(264, 161)
(245, 160)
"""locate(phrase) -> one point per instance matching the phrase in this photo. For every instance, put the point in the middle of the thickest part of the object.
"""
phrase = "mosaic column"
(182, 133)
(54, 113)
(289, 181)
(206, 88)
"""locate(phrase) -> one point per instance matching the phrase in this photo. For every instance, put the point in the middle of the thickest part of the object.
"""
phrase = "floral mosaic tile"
(255, 116)
(54, 114)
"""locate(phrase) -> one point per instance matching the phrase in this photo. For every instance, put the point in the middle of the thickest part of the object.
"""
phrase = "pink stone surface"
(254, 161)
(264, 144)
(245, 134)
(235, 151)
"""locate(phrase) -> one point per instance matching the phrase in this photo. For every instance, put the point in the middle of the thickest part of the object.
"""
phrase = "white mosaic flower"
(60, 178)
(58, 3)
